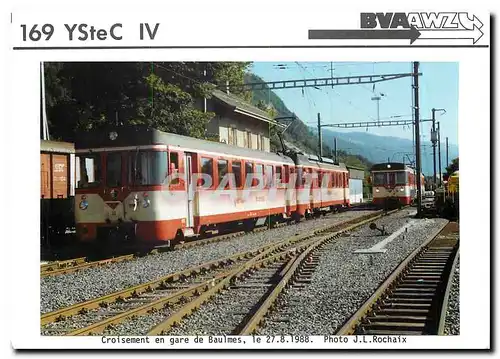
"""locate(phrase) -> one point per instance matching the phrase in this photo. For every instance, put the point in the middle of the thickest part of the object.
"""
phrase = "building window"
(249, 139)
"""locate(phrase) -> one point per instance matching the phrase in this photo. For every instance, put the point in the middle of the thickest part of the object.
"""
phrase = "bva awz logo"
(441, 25)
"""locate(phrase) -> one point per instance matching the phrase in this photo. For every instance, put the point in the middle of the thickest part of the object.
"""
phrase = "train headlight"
(83, 205)
(377, 190)
(402, 189)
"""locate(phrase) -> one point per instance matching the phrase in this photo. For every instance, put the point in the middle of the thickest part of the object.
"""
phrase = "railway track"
(247, 293)
(413, 299)
(178, 294)
(48, 268)
(74, 265)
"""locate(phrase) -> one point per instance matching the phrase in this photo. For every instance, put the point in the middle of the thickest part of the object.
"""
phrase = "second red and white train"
(394, 184)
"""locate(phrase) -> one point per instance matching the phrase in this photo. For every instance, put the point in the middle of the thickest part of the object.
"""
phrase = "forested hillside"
(299, 133)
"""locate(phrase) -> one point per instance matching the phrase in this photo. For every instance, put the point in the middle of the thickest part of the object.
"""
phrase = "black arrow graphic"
(412, 34)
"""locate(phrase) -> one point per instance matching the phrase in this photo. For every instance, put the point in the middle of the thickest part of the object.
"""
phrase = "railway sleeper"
(395, 326)
(397, 318)
(388, 332)
(403, 311)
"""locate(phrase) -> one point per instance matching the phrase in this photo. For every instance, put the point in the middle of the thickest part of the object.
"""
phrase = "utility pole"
(417, 137)
(433, 140)
(44, 121)
(320, 143)
(447, 161)
(439, 154)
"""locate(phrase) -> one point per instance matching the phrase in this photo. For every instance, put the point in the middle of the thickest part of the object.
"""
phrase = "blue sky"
(352, 103)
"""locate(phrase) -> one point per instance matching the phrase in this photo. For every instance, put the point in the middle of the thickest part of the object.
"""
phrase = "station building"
(239, 123)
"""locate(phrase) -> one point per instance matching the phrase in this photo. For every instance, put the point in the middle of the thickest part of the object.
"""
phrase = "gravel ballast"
(63, 290)
(344, 280)
(452, 319)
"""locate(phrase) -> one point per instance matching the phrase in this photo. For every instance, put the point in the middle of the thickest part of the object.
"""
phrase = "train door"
(190, 190)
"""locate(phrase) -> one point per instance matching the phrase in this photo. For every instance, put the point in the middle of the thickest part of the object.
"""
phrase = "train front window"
(147, 168)
(379, 179)
(114, 169)
(401, 177)
(88, 171)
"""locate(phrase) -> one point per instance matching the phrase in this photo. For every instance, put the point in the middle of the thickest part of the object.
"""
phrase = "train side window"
(298, 177)
(269, 176)
(286, 174)
(222, 170)
(236, 169)
(278, 175)
(89, 170)
(174, 167)
(207, 167)
(248, 171)
(258, 175)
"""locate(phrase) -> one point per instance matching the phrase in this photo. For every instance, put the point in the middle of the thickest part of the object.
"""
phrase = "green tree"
(163, 95)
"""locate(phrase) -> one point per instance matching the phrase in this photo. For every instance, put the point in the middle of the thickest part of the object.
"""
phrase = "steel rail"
(370, 305)
(85, 265)
(169, 300)
(444, 305)
(288, 273)
(76, 264)
(229, 279)
(54, 266)
(310, 242)
(60, 314)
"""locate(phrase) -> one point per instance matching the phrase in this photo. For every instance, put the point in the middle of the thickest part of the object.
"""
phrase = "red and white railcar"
(321, 186)
(394, 184)
(156, 186)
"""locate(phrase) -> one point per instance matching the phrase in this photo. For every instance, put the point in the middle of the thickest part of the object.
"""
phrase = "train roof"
(140, 136)
(57, 146)
(321, 162)
(391, 166)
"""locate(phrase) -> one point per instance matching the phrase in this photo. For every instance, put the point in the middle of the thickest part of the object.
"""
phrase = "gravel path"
(64, 290)
(344, 280)
(452, 321)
